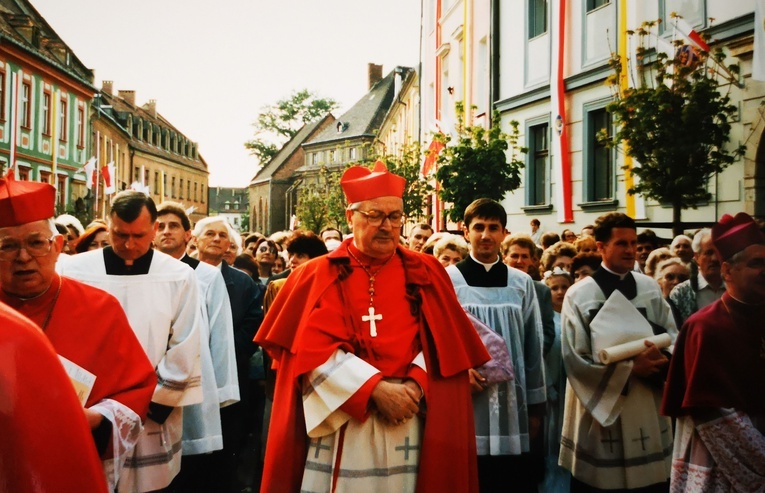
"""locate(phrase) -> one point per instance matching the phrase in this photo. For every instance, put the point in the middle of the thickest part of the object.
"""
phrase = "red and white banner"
(690, 34)
(561, 154)
(431, 158)
(90, 172)
(108, 173)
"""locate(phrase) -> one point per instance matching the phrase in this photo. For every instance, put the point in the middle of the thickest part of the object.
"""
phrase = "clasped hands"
(396, 402)
(649, 362)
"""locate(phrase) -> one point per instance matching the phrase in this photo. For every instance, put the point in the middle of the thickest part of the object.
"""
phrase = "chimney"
(107, 86)
(128, 96)
(375, 74)
(151, 107)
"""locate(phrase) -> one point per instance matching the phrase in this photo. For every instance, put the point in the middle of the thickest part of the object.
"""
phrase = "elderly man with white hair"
(213, 238)
(706, 283)
(681, 247)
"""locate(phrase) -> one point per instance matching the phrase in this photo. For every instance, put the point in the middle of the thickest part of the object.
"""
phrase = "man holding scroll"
(613, 435)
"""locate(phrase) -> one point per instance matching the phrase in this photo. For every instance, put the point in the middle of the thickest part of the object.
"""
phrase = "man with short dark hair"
(419, 236)
(646, 243)
(85, 325)
(202, 464)
(613, 435)
(160, 297)
(714, 388)
(508, 415)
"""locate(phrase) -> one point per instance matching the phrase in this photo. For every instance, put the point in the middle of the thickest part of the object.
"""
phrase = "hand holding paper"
(631, 349)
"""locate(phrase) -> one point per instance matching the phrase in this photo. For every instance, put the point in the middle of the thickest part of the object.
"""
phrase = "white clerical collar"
(621, 276)
(485, 265)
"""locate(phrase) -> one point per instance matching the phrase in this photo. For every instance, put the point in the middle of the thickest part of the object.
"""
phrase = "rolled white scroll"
(630, 349)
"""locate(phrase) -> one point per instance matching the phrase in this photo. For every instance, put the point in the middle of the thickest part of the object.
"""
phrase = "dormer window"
(342, 127)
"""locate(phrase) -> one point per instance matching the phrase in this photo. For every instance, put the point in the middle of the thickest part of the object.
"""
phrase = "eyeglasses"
(266, 248)
(35, 245)
(376, 218)
(675, 277)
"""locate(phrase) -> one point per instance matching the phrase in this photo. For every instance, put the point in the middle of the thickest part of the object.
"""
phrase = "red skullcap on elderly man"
(361, 183)
(733, 234)
(23, 202)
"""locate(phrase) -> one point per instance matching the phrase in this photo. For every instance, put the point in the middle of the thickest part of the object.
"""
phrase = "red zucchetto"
(360, 183)
(23, 202)
(733, 234)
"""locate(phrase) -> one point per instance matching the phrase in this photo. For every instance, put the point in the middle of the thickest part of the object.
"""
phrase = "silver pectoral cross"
(371, 318)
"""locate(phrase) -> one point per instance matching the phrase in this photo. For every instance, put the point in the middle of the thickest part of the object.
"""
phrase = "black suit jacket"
(246, 307)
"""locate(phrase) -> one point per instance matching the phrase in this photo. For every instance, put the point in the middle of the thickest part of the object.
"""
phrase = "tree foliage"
(477, 164)
(674, 121)
(321, 202)
(417, 189)
(278, 123)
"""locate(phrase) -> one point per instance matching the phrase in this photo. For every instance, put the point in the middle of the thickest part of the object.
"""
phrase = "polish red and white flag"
(690, 34)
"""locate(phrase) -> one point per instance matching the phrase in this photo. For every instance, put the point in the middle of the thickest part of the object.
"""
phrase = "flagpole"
(98, 163)
(14, 122)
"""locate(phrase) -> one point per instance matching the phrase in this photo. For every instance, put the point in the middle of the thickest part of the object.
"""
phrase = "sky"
(213, 66)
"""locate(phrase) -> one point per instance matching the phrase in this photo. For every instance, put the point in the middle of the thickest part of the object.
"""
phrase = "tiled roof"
(287, 150)
(363, 118)
(119, 109)
(21, 25)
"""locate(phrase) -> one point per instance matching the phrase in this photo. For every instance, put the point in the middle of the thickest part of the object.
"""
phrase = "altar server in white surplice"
(613, 435)
(508, 415)
(203, 462)
(160, 297)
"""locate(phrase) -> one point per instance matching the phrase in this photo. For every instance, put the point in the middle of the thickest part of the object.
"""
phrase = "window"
(26, 105)
(538, 158)
(62, 122)
(46, 113)
(352, 154)
(202, 193)
(164, 185)
(692, 11)
(595, 4)
(61, 191)
(156, 182)
(80, 127)
(45, 177)
(23, 173)
(180, 188)
(172, 187)
(188, 189)
(195, 192)
(537, 18)
(599, 160)
(2, 95)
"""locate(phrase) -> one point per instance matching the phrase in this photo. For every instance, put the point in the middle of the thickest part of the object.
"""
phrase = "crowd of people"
(208, 361)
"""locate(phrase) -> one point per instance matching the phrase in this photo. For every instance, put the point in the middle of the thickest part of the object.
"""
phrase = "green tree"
(674, 121)
(278, 123)
(321, 202)
(477, 165)
(408, 165)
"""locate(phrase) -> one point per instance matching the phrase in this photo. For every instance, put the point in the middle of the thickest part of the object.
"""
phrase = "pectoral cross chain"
(371, 318)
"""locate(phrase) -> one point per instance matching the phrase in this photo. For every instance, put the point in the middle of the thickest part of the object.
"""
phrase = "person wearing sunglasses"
(371, 333)
(265, 255)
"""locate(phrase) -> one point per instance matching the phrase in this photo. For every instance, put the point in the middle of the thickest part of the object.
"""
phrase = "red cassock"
(45, 440)
(89, 327)
(450, 346)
